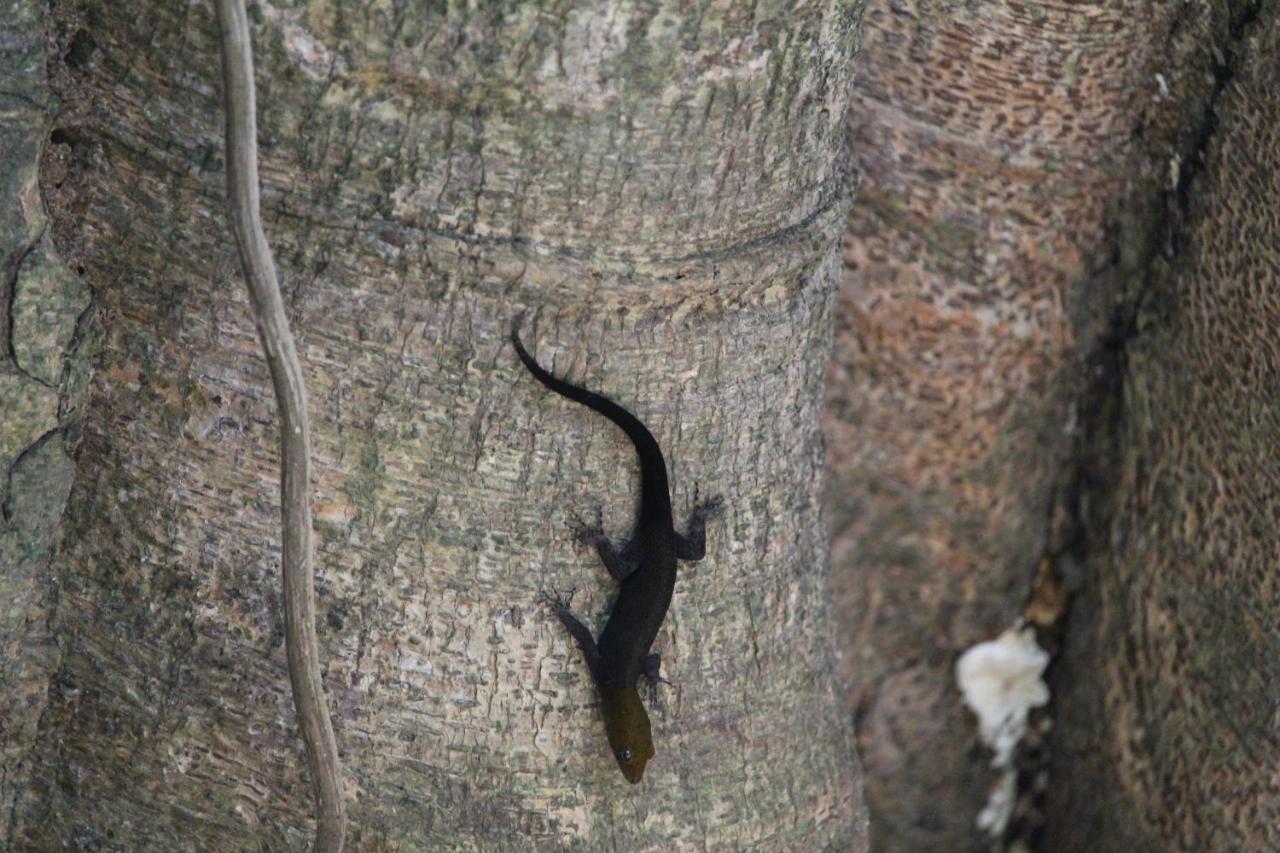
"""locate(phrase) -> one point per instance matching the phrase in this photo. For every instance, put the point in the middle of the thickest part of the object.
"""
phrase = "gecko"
(645, 568)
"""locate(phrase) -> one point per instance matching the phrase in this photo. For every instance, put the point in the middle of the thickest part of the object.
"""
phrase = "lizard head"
(627, 725)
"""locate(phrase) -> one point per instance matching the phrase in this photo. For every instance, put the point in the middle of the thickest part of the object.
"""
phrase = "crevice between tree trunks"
(1147, 239)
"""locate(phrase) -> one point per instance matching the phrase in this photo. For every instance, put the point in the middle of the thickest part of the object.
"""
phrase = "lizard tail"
(653, 467)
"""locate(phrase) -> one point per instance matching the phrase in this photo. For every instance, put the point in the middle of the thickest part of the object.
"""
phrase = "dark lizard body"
(646, 568)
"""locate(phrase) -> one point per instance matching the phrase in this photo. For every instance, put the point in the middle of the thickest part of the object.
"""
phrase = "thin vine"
(295, 432)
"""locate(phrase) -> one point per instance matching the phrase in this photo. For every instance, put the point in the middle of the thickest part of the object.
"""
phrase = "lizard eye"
(624, 755)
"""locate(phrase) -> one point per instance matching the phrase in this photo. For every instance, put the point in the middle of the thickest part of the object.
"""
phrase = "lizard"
(645, 568)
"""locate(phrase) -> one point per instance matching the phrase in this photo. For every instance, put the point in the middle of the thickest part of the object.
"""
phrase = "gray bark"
(41, 303)
(665, 189)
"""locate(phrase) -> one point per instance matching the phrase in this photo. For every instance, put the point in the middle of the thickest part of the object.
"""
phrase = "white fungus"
(1001, 682)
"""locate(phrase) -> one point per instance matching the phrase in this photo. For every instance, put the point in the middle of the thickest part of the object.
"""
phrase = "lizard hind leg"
(619, 563)
(652, 676)
(653, 670)
(559, 605)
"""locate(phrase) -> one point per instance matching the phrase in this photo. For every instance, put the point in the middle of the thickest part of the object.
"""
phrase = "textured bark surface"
(41, 385)
(1012, 154)
(667, 190)
(1168, 734)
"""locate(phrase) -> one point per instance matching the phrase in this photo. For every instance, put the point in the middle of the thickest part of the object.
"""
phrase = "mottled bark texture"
(1168, 735)
(1015, 161)
(665, 186)
(42, 354)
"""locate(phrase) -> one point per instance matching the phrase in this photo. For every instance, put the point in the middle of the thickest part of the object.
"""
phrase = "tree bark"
(1016, 162)
(665, 190)
(1168, 681)
(42, 355)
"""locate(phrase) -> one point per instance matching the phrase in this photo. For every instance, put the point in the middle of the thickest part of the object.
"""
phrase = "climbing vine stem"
(295, 435)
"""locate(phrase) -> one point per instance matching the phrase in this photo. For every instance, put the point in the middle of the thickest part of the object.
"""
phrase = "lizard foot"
(708, 508)
(558, 604)
(590, 534)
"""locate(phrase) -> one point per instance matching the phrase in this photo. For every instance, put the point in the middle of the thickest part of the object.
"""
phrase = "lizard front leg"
(693, 545)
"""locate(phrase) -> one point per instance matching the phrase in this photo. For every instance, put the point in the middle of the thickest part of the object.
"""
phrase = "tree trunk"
(41, 383)
(664, 191)
(1016, 160)
(1169, 679)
